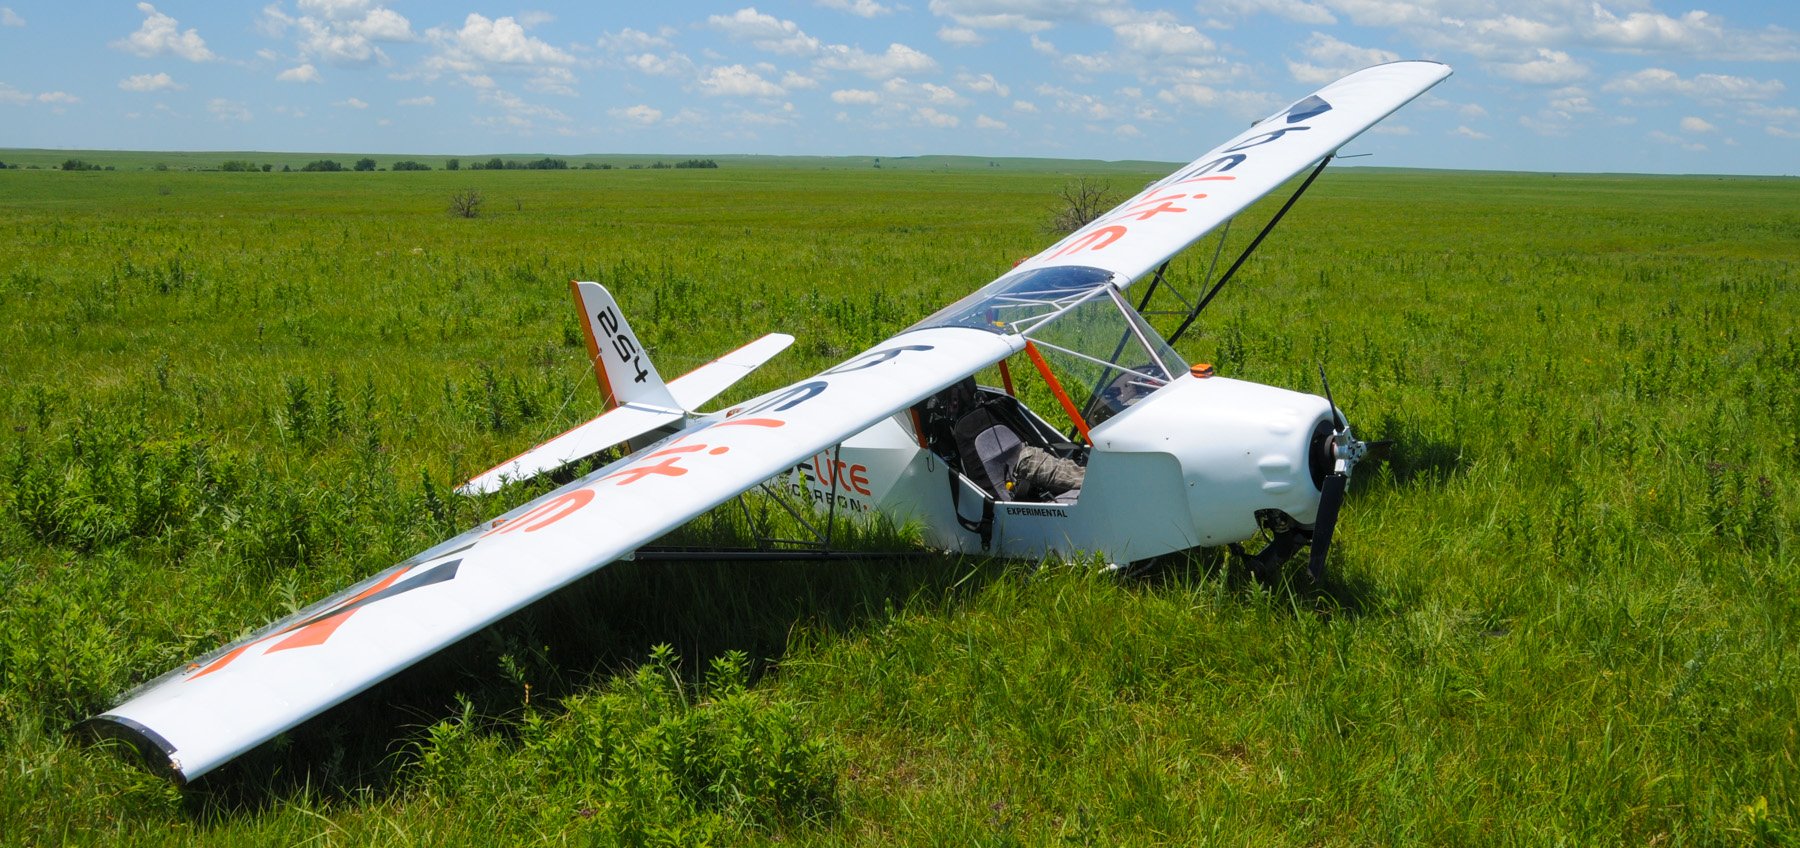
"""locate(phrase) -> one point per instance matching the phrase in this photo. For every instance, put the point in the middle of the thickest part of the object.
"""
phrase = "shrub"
(322, 165)
(365, 164)
(650, 760)
(1078, 202)
(466, 203)
(409, 165)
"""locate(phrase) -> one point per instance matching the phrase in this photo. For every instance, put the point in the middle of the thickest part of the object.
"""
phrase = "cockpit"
(1088, 356)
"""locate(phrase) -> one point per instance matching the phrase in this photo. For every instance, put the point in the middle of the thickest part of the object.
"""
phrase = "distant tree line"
(544, 164)
(368, 164)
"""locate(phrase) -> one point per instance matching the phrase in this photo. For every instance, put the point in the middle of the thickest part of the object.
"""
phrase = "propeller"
(1343, 450)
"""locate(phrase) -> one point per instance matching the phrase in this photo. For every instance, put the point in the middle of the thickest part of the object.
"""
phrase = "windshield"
(1017, 302)
(1104, 354)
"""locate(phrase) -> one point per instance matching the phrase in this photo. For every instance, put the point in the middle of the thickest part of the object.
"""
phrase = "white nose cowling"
(1243, 447)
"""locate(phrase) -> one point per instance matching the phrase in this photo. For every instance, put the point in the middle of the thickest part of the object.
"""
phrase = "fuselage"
(1194, 463)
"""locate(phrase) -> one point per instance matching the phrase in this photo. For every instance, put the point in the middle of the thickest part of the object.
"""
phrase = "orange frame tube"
(1006, 379)
(1057, 389)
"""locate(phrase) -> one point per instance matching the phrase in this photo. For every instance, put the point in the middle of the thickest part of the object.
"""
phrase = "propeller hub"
(1346, 451)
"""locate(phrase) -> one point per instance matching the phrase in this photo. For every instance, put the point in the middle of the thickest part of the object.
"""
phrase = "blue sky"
(1544, 85)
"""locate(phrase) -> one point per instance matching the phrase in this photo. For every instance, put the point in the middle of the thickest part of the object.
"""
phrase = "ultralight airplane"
(1157, 456)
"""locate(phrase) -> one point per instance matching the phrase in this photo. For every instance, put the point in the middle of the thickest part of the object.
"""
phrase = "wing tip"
(151, 748)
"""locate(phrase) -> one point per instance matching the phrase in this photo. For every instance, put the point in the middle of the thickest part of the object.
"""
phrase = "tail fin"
(620, 363)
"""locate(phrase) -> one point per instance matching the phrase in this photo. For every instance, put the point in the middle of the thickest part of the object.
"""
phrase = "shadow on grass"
(1349, 596)
(1413, 457)
(604, 624)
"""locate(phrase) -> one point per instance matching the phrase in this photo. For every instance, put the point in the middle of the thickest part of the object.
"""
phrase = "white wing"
(1177, 210)
(222, 705)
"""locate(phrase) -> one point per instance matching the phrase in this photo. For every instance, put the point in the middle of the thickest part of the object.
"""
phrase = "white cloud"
(303, 73)
(1327, 59)
(500, 41)
(937, 119)
(1085, 107)
(897, 60)
(1678, 141)
(1298, 11)
(1021, 15)
(150, 82)
(1653, 30)
(59, 97)
(794, 81)
(960, 36)
(1024, 107)
(628, 40)
(341, 33)
(765, 32)
(737, 81)
(856, 96)
(1572, 100)
(984, 84)
(1551, 67)
(10, 18)
(860, 8)
(426, 100)
(228, 110)
(1703, 87)
(640, 114)
(1696, 125)
(1464, 132)
(984, 122)
(672, 65)
(11, 95)
(941, 94)
(352, 103)
(1189, 92)
(1161, 37)
(381, 24)
(553, 79)
(161, 35)
(519, 114)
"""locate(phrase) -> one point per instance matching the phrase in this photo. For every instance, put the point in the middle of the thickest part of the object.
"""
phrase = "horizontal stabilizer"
(611, 428)
(623, 423)
(706, 382)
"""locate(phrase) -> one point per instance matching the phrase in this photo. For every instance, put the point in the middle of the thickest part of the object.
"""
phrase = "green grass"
(1564, 612)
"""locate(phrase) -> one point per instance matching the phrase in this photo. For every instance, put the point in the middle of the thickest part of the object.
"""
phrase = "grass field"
(1564, 612)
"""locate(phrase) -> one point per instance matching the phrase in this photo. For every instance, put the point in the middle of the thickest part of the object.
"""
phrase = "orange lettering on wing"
(317, 632)
(1204, 179)
(1096, 240)
(545, 514)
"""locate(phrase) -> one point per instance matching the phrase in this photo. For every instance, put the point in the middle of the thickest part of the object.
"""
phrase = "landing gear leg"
(1286, 539)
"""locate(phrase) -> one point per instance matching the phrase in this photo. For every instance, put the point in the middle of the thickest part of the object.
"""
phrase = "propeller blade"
(1331, 496)
(1380, 449)
(1336, 419)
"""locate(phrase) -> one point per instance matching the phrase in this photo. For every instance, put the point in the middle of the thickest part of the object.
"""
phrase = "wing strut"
(1254, 243)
